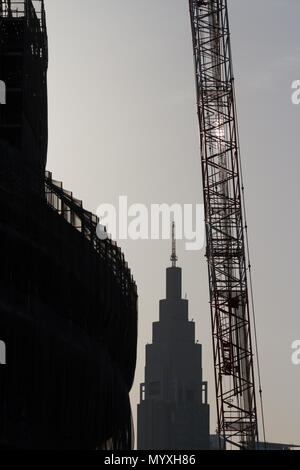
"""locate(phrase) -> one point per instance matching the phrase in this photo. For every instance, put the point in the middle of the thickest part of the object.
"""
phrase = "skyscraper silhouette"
(173, 412)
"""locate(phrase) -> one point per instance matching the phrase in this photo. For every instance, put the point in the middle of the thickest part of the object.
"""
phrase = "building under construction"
(68, 303)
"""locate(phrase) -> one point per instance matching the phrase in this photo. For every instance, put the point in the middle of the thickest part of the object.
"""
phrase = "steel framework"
(224, 212)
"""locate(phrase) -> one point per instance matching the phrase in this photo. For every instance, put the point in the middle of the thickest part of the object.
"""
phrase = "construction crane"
(226, 229)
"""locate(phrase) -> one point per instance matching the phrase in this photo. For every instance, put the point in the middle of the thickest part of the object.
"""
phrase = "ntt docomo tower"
(173, 412)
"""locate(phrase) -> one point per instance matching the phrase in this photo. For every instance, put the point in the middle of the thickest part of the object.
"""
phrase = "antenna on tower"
(173, 255)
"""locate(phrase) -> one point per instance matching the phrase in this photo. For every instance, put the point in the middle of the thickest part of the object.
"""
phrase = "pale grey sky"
(123, 122)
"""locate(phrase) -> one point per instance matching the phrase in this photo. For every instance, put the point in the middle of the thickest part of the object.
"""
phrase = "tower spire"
(173, 255)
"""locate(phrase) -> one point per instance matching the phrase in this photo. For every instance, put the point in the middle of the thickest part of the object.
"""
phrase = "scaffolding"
(23, 68)
(68, 301)
(23, 8)
(71, 210)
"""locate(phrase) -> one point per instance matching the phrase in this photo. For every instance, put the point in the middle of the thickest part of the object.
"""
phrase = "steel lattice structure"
(223, 199)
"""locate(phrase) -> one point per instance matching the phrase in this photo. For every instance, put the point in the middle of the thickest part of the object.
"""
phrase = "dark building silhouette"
(68, 303)
(173, 412)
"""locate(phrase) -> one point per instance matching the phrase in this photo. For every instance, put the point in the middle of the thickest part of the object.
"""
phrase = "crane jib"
(225, 224)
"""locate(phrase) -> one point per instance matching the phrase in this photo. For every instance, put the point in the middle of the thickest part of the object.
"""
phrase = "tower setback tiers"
(173, 412)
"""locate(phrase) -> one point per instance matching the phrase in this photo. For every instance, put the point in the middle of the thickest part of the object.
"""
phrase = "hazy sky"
(123, 122)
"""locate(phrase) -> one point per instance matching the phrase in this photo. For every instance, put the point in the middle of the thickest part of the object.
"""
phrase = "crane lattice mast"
(224, 215)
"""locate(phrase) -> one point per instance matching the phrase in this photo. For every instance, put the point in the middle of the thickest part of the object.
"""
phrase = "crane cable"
(254, 323)
(251, 286)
